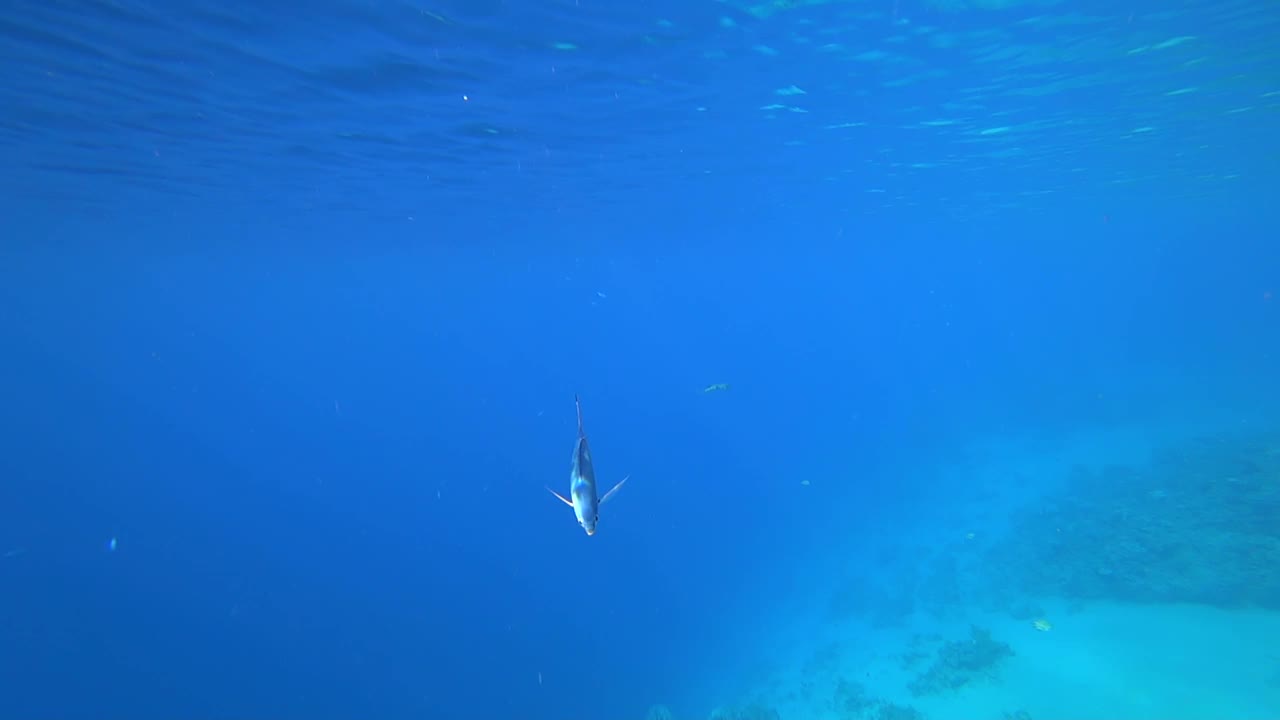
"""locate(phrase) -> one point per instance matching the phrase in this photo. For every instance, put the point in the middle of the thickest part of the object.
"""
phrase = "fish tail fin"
(577, 403)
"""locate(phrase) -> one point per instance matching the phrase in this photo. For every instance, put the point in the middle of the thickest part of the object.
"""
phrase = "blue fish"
(582, 482)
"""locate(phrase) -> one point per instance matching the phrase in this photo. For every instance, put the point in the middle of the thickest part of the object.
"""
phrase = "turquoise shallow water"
(1099, 599)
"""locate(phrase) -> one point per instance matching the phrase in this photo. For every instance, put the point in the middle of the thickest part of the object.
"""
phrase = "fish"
(718, 387)
(582, 482)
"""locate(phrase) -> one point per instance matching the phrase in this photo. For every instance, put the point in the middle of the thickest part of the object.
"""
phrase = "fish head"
(586, 507)
(588, 516)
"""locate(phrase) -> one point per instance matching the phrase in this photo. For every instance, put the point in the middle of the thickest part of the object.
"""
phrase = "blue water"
(295, 300)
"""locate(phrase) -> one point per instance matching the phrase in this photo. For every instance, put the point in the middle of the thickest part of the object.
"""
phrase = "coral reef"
(852, 702)
(919, 649)
(1195, 525)
(961, 662)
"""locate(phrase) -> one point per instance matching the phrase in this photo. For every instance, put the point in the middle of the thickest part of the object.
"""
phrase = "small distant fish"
(582, 482)
(112, 545)
(805, 483)
(16, 552)
(1042, 625)
(716, 387)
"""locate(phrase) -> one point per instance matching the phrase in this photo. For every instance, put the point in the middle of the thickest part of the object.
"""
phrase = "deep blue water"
(295, 300)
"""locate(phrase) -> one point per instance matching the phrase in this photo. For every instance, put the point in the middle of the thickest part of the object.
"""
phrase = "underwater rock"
(961, 662)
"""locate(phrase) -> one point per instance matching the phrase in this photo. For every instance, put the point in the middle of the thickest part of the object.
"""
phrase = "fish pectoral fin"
(563, 499)
(613, 490)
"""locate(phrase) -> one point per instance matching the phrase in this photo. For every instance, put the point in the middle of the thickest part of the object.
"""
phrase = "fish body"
(583, 497)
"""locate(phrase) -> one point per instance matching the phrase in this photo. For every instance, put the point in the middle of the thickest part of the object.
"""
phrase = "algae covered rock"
(961, 662)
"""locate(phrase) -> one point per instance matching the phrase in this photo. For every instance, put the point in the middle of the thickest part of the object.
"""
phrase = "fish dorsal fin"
(563, 499)
(613, 490)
